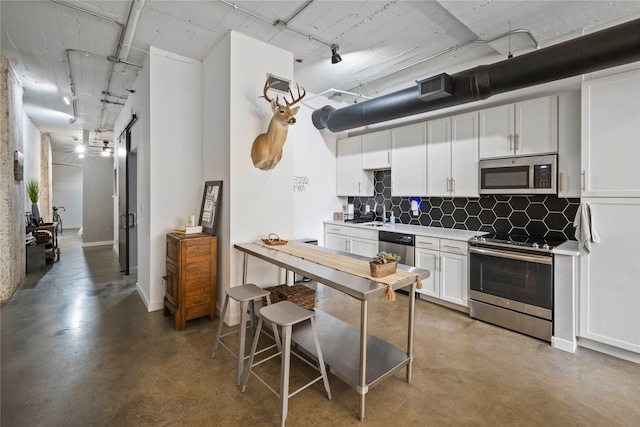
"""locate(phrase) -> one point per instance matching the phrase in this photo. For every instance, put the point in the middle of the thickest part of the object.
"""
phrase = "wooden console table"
(51, 247)
(191, 278)
(352, 354)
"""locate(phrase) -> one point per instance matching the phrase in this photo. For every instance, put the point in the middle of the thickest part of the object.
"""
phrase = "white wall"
(67, 192)
(255, 202)
(97, 201)
(168, 137)
(31, 143)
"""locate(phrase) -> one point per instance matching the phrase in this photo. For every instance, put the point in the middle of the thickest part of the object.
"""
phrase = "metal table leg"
(362, 386)
(412, 307)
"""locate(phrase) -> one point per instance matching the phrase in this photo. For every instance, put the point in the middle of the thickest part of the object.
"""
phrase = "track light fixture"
(335, 57)
(72, 120)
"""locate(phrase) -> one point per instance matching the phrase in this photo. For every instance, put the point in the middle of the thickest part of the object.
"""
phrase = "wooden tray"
(274, 240)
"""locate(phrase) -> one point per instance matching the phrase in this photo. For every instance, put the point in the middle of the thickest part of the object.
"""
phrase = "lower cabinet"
(353, 240)
(191, 277)
(448, 262)
(609, 286)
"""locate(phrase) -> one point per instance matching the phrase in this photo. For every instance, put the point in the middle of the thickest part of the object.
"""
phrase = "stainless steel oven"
(511, 283)
(400, 244)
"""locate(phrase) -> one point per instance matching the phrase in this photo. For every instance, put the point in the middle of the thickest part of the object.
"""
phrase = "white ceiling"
(384, 44)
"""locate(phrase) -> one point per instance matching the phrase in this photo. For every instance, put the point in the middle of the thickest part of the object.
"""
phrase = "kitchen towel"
(586, 232)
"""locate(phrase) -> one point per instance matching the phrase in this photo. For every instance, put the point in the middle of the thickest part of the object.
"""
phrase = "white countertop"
(417, 230)
(570, 247)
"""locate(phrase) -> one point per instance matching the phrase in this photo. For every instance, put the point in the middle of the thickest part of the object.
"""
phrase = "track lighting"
(106, 151)
(72, 120)
(335, 57)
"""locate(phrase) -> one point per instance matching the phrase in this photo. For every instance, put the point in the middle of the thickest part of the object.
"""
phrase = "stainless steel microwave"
(519, 175)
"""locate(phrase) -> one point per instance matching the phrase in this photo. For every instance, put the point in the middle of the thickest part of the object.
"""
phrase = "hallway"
(78, 348)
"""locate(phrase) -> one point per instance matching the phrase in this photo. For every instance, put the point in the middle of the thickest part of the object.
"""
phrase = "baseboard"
(151, 306)
(610, 350)
(104, 243)
(564, 345)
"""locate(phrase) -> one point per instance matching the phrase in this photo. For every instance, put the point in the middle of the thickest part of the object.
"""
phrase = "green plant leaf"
(33, 190)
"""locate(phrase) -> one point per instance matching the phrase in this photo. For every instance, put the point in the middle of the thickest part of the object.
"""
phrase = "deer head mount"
(266, 151)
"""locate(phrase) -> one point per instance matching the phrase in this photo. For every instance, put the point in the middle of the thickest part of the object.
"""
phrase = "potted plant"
(383, 264)
(33, 191)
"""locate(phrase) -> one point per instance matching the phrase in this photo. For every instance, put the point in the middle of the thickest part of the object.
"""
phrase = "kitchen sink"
(373, 224)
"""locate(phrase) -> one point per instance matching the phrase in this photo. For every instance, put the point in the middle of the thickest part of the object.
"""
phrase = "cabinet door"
(375, 150)
(364, 247)
(610, 136)
(496, 131)
(337, 242)
(454, 278)
(464, 155)
(439, 157)
(172, 291)
(537, 126)
(569, 144)
(428, 260)
(609, 287)
(409, 160)
(351, 180)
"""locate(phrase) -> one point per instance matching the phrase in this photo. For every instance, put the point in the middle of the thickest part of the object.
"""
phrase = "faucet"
(384, 211)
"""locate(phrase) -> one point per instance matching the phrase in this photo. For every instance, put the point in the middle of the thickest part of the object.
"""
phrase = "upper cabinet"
(569, 144)
(611, 136)
(409, 160)
(525, 128)
(351, 180)
(453, 156)
(376, 150)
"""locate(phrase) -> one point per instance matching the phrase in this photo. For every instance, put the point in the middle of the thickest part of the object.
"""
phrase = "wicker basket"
(298, 294)
(381, 270)
(41, 237)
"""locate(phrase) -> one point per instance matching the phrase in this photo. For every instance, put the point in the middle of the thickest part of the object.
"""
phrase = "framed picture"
(210, 206)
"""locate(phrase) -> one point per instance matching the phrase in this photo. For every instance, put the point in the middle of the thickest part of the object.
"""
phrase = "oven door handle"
(511, 255)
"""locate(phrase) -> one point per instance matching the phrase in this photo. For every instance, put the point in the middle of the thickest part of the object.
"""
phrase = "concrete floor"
(78, 348)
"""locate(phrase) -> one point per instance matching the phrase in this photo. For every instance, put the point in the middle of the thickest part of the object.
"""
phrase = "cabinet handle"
(517, 138)
(510, 141)
(584, 180)
(453, 185)
(359, 190)
(389, 157)
(448, 186)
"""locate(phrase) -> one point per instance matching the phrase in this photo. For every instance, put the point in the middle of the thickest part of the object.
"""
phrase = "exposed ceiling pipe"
(456, 47)
(604, 49)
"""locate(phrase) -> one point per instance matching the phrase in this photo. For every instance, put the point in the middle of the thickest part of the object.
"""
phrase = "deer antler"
(267, 86)
(293, 99)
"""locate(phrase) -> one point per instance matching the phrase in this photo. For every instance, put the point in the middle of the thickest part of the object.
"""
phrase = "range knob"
(545, 246)
(535, 245)
(482, 239)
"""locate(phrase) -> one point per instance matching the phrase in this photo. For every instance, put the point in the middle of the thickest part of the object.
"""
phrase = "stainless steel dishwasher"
(400, 244)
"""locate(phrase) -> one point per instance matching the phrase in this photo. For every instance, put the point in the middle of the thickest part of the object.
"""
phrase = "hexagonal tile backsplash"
(547, 216)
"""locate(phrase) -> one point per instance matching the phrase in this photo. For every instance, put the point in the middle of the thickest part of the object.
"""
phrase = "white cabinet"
(363, 242)
(569, 144)
(610, 276)
(336, 237)
(376, 150)
(448, 262)
(353, 240)
(452, 155)
(611, 136)
(409, 160)
(525, 128)
(351, 180)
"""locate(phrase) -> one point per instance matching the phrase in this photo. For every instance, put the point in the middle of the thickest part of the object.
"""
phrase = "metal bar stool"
(244, 294)
(285, 314)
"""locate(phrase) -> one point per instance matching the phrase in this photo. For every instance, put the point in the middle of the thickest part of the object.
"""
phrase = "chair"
(244, 294)
(285, 314)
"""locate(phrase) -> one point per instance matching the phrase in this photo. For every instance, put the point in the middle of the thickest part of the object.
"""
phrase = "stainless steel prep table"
(339, 340)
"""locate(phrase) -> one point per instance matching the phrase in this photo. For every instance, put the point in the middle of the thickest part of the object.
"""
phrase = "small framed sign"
(338, 216)
(210, 206)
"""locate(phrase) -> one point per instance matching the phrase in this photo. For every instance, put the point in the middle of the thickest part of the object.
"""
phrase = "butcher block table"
(352, 354)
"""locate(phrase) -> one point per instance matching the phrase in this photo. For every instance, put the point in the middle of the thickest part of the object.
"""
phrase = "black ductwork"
(604, 49)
